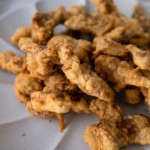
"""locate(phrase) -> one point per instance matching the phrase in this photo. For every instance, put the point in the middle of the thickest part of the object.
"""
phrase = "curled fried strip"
(78, 73)
(20, 32)
(112, 135)
(95, 24)
(63, 102)
(24, 86)
(57, 82)
(120, 72)
(12, 63)
(141, 58)
(40, 59)
(43, 24)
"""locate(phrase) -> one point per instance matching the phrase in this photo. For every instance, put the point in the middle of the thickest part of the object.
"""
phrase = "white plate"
(40, 134)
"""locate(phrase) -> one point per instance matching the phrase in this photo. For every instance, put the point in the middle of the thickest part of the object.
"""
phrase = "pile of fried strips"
(82, 69)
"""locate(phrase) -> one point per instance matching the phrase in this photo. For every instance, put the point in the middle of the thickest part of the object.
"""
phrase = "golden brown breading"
(20, 32)
(62, 102)
(76, 10)
(116, 34)
(109, 47)
(58, 82)
(58, 102)
(142, 17)
(112, 135)
(106, 7)
(120, 73)
(25, 85)
(12, 63)
(140, 57)
(132, 96)
(43, 24)
(40, 59)
(95, 24)
(78, 73)
(105, 110)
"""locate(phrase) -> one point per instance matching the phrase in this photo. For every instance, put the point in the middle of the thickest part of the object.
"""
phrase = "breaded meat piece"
(40, 59)
(112, 135)
(120, 73)
(141, 58)
(80, 73)
(12, 63)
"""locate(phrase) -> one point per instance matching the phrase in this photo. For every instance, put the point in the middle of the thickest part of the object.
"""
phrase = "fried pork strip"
(12, 63)
(140, 57)
(120, 72)
(112, 135)
(78, 73)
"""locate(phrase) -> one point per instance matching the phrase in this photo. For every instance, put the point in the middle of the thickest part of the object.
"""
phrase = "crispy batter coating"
(63, 102)
(109, 47)
(78, 73)
(58, 102)
(106, 7)
(40, 59)
(24, 86)
(142, 17)
(76, 10)
(132, 96)
(12, 63)
(20, 32)
(58, 82)
(120, 72)
(141, 58)
(43, 24)
(112, 135)
(95, 24)
(105, 110)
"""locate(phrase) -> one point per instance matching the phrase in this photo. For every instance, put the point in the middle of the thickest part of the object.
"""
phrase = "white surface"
(14, 120)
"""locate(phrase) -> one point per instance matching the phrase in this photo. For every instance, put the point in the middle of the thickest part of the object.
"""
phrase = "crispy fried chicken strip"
(107, 46)
(57, 82)
(95, 24)
(120, 72)
(132, 96)
(78, 73)
(12, 63)
(20, 32)
(40, 59)
(63, 102)
(142, 17)
(24, 86)
(43, 24)
(112, 135)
